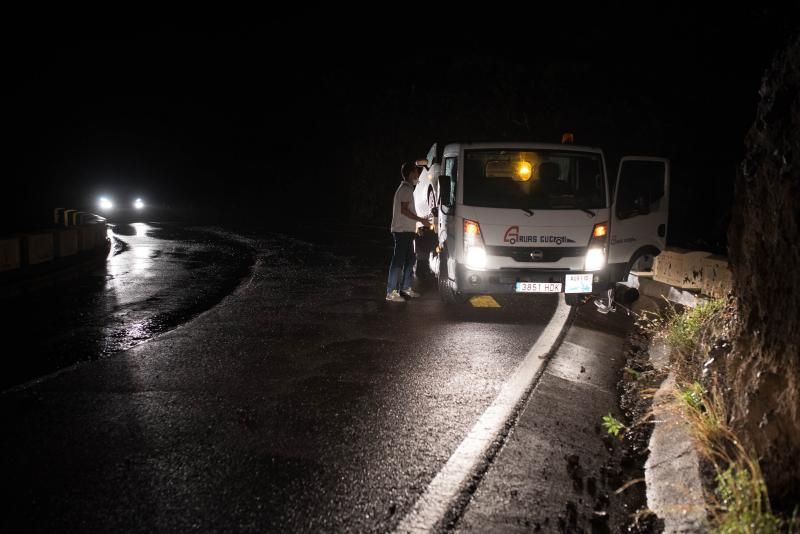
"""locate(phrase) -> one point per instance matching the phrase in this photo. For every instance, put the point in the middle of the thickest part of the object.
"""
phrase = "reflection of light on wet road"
(142, 261)
(141, 229)
(139, 330)
(141, 266)
(110, 237)
(134, 274)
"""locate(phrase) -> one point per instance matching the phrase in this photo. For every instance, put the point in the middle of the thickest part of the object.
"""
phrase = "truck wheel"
(446, 292)
(642, 260)
(642, 263)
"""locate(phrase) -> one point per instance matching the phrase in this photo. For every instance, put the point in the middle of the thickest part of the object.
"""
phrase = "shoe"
(410, 293)
(395, 296)
(604, 308)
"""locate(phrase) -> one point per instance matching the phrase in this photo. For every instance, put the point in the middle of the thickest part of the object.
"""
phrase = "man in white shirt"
(404, 229)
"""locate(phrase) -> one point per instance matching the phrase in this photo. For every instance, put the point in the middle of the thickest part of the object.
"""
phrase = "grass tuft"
(742, 502)
(683, 328)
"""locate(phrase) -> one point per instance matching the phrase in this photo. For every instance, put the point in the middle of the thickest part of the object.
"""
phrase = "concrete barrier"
(58, 216)
(9, 254)
(680, 268)
(87, 237)
(68, 215)
(66, 242)
(102, 229)
(37, 248)
(34, 260)
(686, 277)
(79, 218)
(100, 233)
(717, 280)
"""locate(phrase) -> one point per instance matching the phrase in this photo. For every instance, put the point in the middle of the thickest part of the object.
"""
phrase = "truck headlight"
(595, 259)
(476, 257)
(596, 256)
(474, 252)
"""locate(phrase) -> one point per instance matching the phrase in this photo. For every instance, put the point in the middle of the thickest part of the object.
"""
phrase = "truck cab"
(537, 218)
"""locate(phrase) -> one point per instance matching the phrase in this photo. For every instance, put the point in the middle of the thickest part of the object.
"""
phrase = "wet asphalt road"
(302, 401)
(156, 277)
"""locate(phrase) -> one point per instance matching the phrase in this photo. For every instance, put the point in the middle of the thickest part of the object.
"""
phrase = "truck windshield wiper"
(528, 211)
(590, 212)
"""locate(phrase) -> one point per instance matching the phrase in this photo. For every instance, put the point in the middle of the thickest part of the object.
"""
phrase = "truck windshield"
(544, 179)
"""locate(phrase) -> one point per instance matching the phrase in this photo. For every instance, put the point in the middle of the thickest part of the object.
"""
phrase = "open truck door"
(639, 214)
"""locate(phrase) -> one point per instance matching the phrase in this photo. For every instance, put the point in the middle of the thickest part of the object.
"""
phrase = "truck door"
(639, 212)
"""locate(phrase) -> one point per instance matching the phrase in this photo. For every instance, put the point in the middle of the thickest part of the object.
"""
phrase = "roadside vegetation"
(736, 493)
(612, 424)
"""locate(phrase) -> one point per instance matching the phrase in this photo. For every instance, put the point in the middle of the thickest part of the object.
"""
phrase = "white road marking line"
(451, 483)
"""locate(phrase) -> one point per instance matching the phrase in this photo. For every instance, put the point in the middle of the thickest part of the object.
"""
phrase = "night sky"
(251, 122)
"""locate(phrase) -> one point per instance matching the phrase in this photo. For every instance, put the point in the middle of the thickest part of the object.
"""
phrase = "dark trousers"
(403, 258)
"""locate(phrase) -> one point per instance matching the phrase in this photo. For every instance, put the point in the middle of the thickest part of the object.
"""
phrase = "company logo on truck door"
(513, 237)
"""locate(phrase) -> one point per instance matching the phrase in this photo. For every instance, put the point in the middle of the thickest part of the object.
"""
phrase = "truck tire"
(446, 292)
(642, 260)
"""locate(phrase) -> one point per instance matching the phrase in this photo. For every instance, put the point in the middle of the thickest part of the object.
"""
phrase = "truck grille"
(536, 255)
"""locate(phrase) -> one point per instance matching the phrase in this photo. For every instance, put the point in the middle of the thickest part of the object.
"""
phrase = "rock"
(764, 256)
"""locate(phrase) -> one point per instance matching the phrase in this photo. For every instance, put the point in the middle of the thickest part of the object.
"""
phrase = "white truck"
(537, 218)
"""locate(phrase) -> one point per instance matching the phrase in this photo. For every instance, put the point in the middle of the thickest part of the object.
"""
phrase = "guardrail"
(75, 236)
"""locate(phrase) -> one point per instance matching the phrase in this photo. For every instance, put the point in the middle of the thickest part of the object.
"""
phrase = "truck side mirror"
(445, 191)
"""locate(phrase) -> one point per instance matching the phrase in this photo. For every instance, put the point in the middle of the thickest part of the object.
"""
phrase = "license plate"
(578, 283)
(538, 287)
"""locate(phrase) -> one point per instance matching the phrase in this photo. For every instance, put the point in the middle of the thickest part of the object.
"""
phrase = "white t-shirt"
(401, 223)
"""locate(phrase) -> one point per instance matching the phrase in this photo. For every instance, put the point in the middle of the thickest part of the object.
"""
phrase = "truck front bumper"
(504, 281)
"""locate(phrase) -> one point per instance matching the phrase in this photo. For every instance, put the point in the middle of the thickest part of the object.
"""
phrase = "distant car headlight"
(105, 204)
(138, 203)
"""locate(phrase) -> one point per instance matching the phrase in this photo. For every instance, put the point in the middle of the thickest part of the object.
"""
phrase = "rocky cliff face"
(763, 369)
